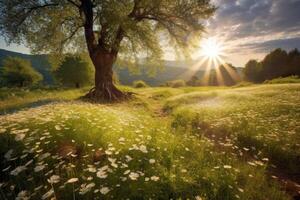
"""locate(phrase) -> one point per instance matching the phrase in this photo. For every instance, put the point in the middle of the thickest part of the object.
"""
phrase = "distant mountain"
(172, 70)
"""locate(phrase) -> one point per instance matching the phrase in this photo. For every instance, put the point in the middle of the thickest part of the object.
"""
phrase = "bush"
(18, 72)
(243, 84)
(289, 79)
(176, 83)
(139, 84)
(74, 71)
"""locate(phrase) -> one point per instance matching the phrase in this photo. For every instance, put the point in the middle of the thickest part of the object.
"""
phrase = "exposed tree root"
(108, 93)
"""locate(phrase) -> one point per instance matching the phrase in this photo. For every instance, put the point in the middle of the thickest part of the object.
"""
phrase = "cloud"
(288, 44)
(252, 28)
(243, 18)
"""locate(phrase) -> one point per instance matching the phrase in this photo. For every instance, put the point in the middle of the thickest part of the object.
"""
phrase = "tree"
(228, 74)
(74, 71)
(194, 81)
(128, 28)
(18, 72)
(294, 62)
(252, 71)
(274, 64)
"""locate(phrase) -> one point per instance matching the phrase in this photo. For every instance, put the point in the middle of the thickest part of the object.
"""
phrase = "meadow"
(166, 143)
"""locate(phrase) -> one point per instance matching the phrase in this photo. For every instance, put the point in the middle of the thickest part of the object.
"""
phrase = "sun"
(211, 48)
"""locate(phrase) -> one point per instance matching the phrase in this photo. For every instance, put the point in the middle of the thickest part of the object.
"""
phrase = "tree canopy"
(277, 63)
(18, 72)
(134, 27)
(128, 29)
(74, 71)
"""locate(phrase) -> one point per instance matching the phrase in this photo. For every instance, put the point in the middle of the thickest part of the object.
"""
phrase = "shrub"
(176, 83)
(74, 71)
(289, 79)
(243, 84)
(18, 72)
(139, 84)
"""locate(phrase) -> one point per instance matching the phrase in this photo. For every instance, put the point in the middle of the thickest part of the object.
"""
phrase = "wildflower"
(184, 171)
(72, 180)
(48, 194)
(102, 172)
(154, 178)
(18, 170)
(23, 195)
(126, 172)
(19, 137)
(198, 198)
(57, 127)
(133, 176)
(104, 190)
(227, 167)
(43, 156)
(128, 158)
(152, 161)
(92, 169)
(143, 149)
(86, 188)
(39, 168)
(54, 179)
(29, 162)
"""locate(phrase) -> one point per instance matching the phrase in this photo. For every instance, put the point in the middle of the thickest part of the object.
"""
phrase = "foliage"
(139, 84)
(243, 84)
(129, 27)
(252, 71)
(277, 63)
(18, 72)
(74, 71)
(289, 79)
(176, 83)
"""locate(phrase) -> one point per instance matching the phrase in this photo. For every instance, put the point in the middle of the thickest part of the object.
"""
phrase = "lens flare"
(210, 48)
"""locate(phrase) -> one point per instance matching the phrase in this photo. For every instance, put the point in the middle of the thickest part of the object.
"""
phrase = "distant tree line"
(278, 63)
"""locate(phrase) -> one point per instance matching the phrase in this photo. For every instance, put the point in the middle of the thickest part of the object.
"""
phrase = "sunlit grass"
(263, 119)
(87, 151)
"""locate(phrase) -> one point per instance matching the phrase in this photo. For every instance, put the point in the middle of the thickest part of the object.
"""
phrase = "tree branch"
(73, 3)
(33, 9)
(86, 8)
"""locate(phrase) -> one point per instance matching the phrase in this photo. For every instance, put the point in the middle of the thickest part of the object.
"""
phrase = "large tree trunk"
(104, 89)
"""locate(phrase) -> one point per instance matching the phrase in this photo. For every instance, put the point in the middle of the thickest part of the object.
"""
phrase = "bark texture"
(103, 60)
(104, 89)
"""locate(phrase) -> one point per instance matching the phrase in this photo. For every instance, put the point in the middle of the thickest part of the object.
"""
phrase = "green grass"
(128, 150)
(280, 80)
(264, 119)
(12, 99)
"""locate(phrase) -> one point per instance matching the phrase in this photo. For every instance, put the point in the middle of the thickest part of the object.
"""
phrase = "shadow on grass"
(17, 108)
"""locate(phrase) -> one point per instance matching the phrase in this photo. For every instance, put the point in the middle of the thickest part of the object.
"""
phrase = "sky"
(252, 28)
(249, 29)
